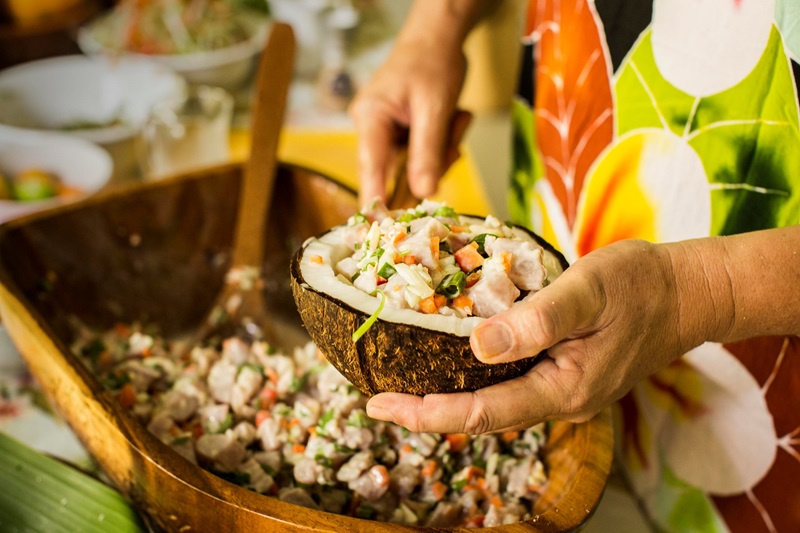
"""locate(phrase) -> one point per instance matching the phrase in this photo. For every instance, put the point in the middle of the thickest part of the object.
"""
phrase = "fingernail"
(379, 412)
(492, 340)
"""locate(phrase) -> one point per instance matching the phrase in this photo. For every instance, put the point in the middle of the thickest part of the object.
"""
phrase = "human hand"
(411, 98)
(614, 317)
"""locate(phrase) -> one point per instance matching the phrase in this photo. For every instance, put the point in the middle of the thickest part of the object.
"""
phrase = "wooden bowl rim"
(170, 463)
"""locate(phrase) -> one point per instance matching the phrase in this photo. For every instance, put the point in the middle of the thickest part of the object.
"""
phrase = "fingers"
(428, 143)
(376, 129)
(552, 314)
(509, 405)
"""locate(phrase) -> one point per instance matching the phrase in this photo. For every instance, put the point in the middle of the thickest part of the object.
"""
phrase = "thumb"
(549, 316)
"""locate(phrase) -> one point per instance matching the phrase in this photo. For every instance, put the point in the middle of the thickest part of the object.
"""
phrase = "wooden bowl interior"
(158, 254)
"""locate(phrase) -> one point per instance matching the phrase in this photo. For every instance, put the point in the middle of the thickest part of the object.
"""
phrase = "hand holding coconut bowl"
(626, 310)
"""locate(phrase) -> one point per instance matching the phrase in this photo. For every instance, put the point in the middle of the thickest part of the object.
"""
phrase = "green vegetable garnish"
(445, 211)
(480, 240)
(387, 271)
(372, 319)
(452, 285)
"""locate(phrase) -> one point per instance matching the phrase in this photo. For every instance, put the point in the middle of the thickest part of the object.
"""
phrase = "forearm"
(446, 21)
(740, 286)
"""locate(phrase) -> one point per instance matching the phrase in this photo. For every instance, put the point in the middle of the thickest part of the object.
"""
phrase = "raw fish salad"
(432, 260)
(292, 427)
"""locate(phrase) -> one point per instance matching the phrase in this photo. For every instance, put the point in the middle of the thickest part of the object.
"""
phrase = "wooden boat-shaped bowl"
(158, 253)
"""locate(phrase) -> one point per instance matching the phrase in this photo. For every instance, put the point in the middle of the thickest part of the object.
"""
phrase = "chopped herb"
(372, 319)
(387, 271)
(226, 424)
(116, 380)
(445, 211)
(320, 458)
(297, 384)
(269, 470)
(452, 285)
(458, 485)
(408, 217)
(355, 276)
(357, 419)
(359, 218)
(252, 366)
(183, 439)
(341, 448)
(405, 432)
(326, 417)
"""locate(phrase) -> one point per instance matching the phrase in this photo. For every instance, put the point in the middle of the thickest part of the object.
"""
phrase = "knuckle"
(480, 419)
(543, 325)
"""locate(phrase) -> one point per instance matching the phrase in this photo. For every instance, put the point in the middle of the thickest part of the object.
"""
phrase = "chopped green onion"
(408, 217)
(481, 240)
(372, 319)
(445, 211)
(452, 285)
(387, 271)
(355, 277)
(358, 218)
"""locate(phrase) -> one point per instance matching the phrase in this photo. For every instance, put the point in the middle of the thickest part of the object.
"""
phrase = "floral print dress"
(684, 126)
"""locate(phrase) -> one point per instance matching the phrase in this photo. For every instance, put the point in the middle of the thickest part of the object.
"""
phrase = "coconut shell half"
(394, 356)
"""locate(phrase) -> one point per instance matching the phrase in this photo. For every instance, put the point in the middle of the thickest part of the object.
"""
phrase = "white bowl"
(228, 67)
(58, 93)
(78, 163)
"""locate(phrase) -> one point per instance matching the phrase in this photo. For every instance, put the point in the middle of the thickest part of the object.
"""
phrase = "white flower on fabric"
(706, 46)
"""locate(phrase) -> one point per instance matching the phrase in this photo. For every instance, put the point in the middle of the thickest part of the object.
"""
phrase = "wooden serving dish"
(158, 253)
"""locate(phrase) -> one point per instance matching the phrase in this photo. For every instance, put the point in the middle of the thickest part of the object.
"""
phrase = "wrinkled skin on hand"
(611, 319)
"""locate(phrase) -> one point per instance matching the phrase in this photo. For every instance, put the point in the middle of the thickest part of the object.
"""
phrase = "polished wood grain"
(158, 253)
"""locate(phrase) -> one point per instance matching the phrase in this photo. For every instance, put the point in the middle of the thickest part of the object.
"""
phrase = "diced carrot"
(268, 396)
(298, 448)
(197, 431)
(261, 416)
(396, 236)
(271, 374)
(429, 468)
(509, 436)
(440, 300)
(475, 472)
(316, 259)
(294, 422)
(463, 303)
(459, 229)
(428, 306)
(435, 248)
(439, 490)
(406, 448)
(312, 430)
(468, 257)
(127, 396)
(123, 330)
(505, 257)
(458, 441)
(147, 352)
(475, 521)
(381, 474)
(473, 278)
(496, 501)
(409, 259)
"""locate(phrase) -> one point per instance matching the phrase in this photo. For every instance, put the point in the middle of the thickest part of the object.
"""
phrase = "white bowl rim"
(190, 61)
(104, 135)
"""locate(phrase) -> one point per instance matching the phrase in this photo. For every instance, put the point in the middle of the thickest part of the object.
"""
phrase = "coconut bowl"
(158, 253)
(396, 355)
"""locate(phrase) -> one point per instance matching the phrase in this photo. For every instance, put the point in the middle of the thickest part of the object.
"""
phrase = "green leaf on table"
(43, 494)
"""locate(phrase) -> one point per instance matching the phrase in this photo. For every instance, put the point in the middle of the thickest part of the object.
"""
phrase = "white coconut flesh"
(321, 276)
